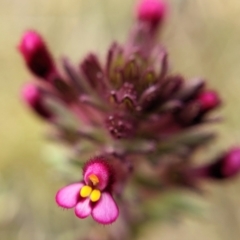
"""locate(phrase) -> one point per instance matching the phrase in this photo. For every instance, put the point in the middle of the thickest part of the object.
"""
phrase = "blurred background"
(203, 39)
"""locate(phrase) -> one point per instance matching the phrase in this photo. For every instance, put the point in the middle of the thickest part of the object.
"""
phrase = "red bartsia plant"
(130, 110)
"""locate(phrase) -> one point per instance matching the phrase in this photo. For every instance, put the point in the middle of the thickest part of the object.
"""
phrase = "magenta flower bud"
(227, 165)
(208, 100)
(32, 95)
(151, 11)
(93, 194)
(36, 55)
(194, 111)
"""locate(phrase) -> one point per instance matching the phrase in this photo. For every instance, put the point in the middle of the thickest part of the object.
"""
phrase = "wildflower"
(130, 109)
(93, 194)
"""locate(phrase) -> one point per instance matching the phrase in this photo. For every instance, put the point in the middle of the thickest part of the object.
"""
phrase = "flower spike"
(144, 121)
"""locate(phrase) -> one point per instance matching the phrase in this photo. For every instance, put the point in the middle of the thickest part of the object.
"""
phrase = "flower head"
(93, 194)
(130, 109)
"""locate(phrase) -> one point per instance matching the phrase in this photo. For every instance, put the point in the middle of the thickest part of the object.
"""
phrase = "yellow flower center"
(95, 195)
(85, 191)
(88, 191)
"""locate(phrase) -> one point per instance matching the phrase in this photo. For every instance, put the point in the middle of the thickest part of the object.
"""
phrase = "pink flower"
(93, 194)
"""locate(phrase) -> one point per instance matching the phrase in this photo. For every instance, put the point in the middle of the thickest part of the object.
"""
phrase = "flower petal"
(106, 210)
(83, 208)
(68, 196)
(98, 166)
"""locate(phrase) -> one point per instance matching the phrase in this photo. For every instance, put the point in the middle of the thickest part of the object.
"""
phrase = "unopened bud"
(225, 166)
(195, 110)
(151, 11)
(36, 55)
(208, 100)
(32, 95)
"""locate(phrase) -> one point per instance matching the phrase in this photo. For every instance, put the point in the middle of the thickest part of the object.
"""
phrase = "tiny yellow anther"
(85, 191)
(94, 179)
(95, 195)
